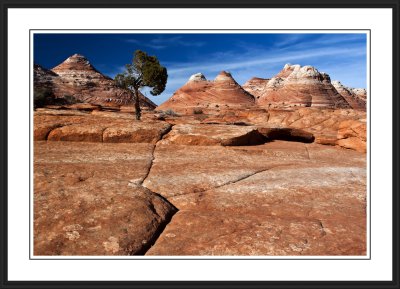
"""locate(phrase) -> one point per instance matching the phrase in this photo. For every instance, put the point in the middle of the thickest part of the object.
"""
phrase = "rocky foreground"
(214, 182)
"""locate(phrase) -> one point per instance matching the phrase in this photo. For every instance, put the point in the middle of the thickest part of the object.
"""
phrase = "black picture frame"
(7, 4)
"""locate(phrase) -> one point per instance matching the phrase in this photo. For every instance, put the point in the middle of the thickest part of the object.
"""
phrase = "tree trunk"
(137, 104)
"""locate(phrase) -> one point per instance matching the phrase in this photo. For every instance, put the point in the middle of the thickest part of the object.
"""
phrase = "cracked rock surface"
(88, 199)
(276, 199)
(180, 187)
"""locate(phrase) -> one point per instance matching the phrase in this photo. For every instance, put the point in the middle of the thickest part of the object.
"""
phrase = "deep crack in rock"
(153, 152)
(169, 216)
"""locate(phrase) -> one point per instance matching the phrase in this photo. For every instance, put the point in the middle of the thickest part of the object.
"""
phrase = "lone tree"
(144, 71)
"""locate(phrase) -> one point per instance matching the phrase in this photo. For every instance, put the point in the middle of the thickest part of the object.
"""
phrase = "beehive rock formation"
(198, 92)
(256, 86)
(304, 86)
(356, 97)
(76, 77)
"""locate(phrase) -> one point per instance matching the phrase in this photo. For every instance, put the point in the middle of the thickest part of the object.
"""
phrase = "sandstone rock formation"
(80, 127)
(261, 200)
(360, 92)
(300, 86)
(277, 170)
(180, 187)
(200, 93)
(43, 78)
(355, 97)
(89, 201)
(320, 125)
(345, 127)
(203, 134)
(77, 78)
(256, 86)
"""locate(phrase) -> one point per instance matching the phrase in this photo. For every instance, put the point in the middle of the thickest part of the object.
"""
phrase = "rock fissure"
(153, 153)
(150, 165)
(168, 217)
(230, 182)
(323, 233)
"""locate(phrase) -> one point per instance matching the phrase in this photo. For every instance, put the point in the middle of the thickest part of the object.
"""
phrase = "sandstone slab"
(210, 134)
(88, 200)
(78, 133)
(98, 126)
(136, 132)
(186, 169)
(315, 206)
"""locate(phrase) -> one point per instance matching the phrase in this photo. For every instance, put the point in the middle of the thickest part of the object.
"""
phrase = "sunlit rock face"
(256, 86)
(302, 86)
(356, 97)
(76, 77)
(224, 91)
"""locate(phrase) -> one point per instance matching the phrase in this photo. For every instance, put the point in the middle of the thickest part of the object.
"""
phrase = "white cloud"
(267, 58)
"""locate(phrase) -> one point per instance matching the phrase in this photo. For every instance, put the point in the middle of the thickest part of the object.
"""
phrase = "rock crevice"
(164, 133)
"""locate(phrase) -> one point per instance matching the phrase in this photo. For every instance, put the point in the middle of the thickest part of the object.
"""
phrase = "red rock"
(77, 132)
(199, 168)
(77, 80)
(288, 134)
(301, 86)
(206, 135)
(83, 106)
(276, 198)
(356, 101)
(41, 131)
(200, 93)
(326, 138)
(262, 200)
(88, 203)
(328, 126)
(353, 143)
(352, 128)
(256, 86)
(139, 132)
(360, 93)
(352, 134)
(99, 126)
(243, 116)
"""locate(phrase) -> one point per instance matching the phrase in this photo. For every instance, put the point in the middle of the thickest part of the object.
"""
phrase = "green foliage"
(41, 97)
(67, 99)
(170, 112)
(44, 96)
(144, 71)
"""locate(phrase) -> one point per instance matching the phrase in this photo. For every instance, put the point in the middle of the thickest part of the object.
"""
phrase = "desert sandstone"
(277, 167)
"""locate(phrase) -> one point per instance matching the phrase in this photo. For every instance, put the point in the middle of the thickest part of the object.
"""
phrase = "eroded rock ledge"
(183, 187)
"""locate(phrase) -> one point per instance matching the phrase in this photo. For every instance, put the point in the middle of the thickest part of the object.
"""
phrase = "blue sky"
(342, 56)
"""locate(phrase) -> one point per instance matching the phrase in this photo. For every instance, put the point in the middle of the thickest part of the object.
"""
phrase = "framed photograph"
(197, 145)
